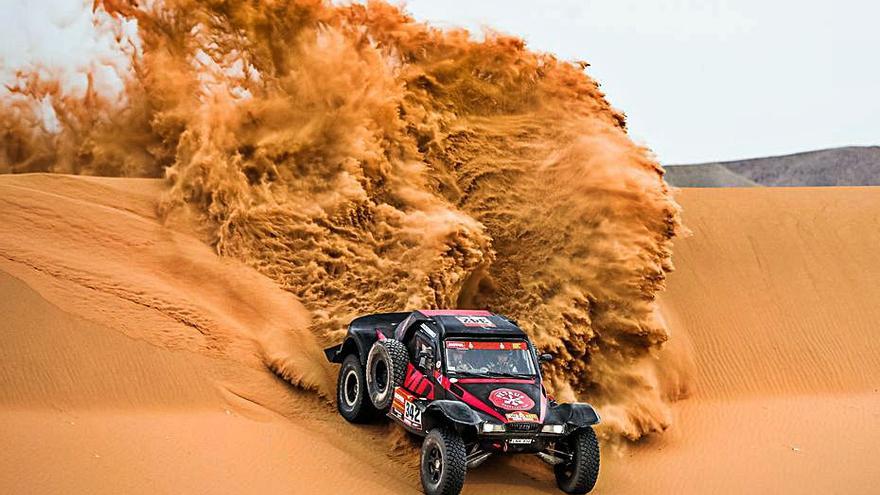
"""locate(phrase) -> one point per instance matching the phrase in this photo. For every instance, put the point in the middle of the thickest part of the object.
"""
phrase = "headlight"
(558, 429)
(493, 428)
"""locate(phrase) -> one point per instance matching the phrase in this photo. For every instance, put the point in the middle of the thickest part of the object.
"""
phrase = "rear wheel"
(351, 392)
(386, 369)
(579, 474)
(444, 462)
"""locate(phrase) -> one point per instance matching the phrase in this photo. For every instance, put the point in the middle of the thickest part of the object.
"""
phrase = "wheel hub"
(435, 464)
(381, 376)
(351, 388)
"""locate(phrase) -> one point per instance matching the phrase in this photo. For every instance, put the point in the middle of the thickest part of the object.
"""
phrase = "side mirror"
(545, 358)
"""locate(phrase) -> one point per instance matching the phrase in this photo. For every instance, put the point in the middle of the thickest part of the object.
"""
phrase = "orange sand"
(133, 356)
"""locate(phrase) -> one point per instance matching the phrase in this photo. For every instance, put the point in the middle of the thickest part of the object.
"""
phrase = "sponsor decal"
(512, 400)
(397, 406)
(417, 383)
(484, 345)
(404, 409)
(526, 441)
(522, 417)
(475, 321)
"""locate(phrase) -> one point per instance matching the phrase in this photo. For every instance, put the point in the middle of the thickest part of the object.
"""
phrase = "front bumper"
(516, 444)
(519, 438)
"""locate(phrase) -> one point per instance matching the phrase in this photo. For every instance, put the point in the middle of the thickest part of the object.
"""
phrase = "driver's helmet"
(505, 362)
(456, 359)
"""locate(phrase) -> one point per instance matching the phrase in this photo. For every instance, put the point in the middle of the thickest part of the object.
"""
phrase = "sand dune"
(85, 409)
(775, 293)
(778, 291)
(95, 248)
(134, 357)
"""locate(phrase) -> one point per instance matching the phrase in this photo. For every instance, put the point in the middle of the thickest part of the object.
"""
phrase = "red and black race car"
(469, 382)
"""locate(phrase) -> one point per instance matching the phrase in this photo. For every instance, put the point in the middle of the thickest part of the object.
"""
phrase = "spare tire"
(386, 369)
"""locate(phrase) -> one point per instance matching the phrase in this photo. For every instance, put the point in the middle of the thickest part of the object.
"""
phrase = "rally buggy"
(470, 383)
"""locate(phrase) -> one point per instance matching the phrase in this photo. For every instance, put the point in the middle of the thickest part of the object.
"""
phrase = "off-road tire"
(579, 475)
(448, 445)
(352, 401)
(386, 369)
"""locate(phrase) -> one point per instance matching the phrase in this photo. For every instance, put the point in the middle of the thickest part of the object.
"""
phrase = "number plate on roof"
(475, 321)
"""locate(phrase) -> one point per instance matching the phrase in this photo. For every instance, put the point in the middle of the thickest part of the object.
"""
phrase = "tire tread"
(586, 473)
(365, 413)
(455, 464)
(399, 358)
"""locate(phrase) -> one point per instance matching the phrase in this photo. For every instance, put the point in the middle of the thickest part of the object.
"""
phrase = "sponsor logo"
(485, 346)
(522, 416)
(405, 410)
(512, 400)
(525, 441)
(475, 321)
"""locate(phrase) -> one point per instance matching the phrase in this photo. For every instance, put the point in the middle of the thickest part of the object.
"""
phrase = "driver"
(457, 361)
(503, 363)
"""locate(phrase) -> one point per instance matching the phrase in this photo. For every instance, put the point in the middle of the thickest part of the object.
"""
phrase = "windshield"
(498, 358)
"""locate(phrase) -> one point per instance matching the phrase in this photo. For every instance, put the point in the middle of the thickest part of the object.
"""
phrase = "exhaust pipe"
(549, 459)
(477, 458)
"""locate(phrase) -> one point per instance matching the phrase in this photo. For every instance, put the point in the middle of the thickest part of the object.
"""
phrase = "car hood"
(506, 400)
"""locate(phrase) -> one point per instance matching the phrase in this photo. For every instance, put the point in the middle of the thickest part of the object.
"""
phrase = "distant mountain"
(705, 175)
(850, 166)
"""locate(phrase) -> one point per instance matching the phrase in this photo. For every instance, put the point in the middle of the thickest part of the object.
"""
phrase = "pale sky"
(707, 80)
(700, 80)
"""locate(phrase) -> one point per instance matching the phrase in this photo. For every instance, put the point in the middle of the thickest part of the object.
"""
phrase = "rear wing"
(333, 354)
(362, 332)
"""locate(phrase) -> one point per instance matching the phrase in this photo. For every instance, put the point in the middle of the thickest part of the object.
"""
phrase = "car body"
(473, 374)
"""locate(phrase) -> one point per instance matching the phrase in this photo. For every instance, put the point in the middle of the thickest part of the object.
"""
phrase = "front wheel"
(579, 474)
(444, 462)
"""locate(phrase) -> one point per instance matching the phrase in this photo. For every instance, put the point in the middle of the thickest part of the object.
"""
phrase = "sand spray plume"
(367, 162)
(582, 247)
(73, 110)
